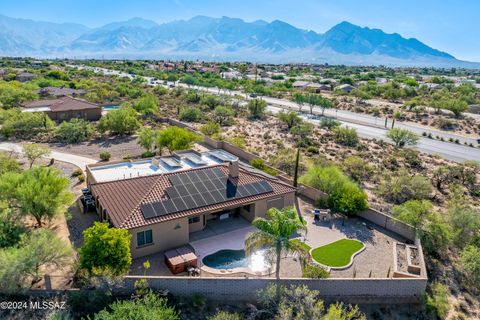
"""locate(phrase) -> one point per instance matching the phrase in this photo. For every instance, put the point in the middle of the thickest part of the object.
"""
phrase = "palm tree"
(275, 232)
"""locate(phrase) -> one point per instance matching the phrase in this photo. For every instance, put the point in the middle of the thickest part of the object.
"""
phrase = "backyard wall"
(389, 223)
(352, 290)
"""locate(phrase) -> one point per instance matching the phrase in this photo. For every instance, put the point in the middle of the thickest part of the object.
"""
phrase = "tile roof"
(62, 104)
(122, 198)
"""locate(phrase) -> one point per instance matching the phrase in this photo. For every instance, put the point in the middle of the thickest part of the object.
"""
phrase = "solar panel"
(266, 186)
(196, 189)
(147, 210)
(181, 190)
(199, 200)
(193, 176)
(191, 188)
(202, 175)
(184, 179)
(210, 175)
(169, 206)
(207, 196)
(219, 173)
(217, 196)
(159, 208)
(201, 187)
(190, 203)
(181, 206)
(172, 192)
(175, 180)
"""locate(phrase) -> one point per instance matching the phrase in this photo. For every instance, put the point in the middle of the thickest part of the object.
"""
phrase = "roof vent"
(233, 169)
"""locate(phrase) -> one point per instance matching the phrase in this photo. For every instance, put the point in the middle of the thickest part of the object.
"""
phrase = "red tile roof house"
(149, 207)
(65, 108)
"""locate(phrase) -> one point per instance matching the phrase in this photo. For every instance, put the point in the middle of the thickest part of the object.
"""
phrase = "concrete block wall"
(385, 290)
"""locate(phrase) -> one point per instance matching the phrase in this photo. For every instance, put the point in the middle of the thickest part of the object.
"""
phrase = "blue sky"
(448, 25)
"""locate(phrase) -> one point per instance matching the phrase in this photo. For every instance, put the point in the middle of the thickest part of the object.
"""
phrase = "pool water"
(110, 107)
(231, 259)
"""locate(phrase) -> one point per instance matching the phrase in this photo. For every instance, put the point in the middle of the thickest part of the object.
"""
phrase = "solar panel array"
(201, 188)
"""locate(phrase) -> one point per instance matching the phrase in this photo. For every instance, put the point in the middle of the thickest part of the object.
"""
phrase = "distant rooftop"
(182, 160)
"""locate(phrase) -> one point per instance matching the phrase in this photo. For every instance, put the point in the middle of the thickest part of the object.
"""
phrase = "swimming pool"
(233, 259)
(110, 107)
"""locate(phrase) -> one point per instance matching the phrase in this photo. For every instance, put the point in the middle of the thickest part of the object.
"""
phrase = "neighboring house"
(381, 80)
(231, 75)
(65, 108)
(300, 84)
(433, 86)
(318, 87)
(59, 92)
(163, 200)
(25, 76)
(346, 87)
(2, 72)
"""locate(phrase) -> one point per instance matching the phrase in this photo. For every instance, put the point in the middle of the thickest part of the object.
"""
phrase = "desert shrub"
(436, 302)
(346, 136)
(191, 114)
(344, 195)
(148, 104)
(105, 155)
(74, 131)
(285, 160)
(329, 123)
(238, 141)
(211, 129)
(121, 121)
(314, 272)
(260, 165)
(357, 168)
(469, 264)
(24, 124)
(411, 157)
(77, 172)
(400, 187)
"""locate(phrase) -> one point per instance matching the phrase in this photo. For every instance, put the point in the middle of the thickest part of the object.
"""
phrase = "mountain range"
(219, 39)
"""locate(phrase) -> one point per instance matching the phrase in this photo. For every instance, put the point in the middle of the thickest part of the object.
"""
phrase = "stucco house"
(167, 199)
(65, 109)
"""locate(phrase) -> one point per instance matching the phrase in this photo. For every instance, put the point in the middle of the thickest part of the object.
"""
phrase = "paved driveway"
(79, 161)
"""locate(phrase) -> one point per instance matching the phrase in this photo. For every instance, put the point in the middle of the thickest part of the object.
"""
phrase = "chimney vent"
(233, 169)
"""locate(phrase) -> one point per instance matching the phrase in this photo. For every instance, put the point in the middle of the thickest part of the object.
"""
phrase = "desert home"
(161, 201)
(65, 108)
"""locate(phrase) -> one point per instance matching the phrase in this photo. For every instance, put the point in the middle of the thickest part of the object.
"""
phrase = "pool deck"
(219, 235)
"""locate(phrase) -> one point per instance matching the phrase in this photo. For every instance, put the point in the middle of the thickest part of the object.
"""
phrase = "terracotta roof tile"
(62, 104)
(122, 199)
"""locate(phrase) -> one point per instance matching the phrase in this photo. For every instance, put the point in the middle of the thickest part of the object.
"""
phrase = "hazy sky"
(447, 25)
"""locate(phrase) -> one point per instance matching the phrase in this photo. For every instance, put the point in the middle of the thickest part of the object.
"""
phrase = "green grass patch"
(338, 253)
(303, 244)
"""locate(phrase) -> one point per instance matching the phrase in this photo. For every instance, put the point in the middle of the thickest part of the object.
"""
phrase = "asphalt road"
(450, 151)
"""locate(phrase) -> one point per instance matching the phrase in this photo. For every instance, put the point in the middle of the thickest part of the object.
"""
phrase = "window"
(194, 220)
(247, 208)
(144, 238)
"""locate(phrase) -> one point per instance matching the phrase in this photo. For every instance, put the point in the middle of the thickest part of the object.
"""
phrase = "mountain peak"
(203, 37)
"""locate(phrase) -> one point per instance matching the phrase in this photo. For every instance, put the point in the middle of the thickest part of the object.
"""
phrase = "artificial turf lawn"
(338, 253)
